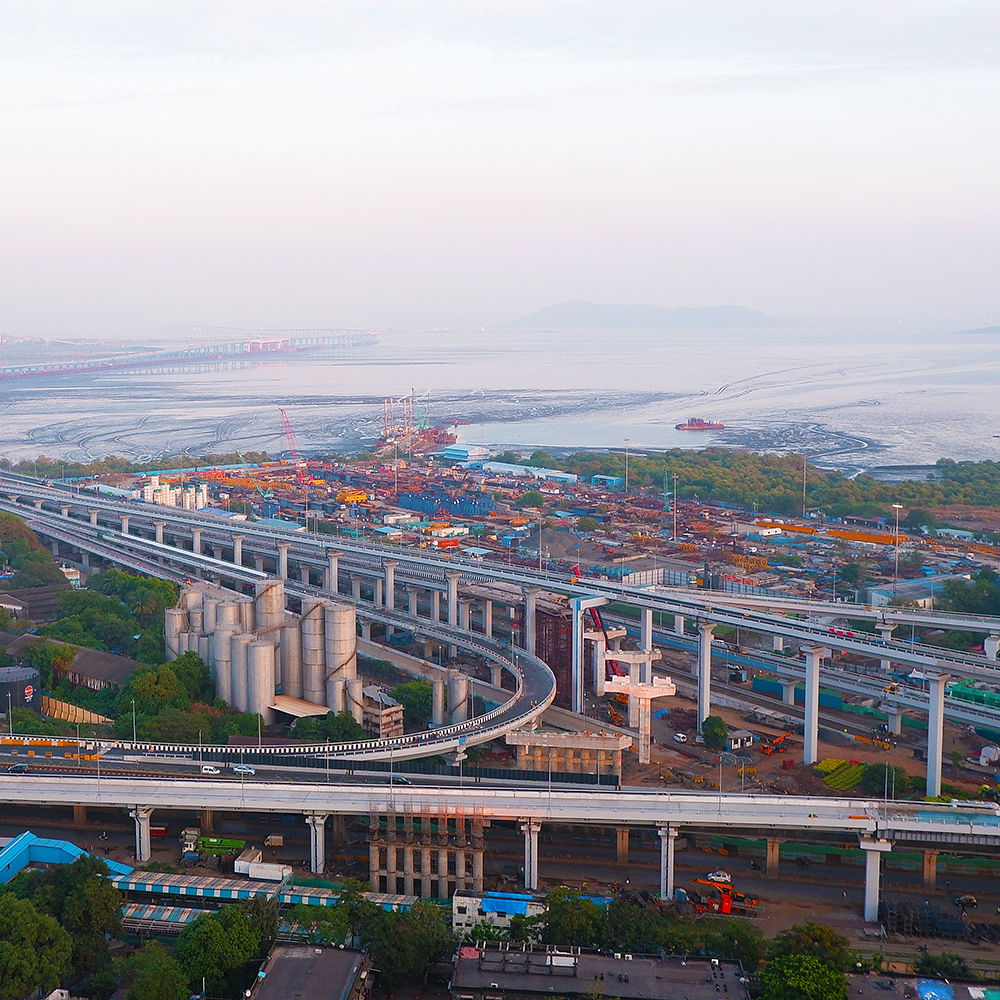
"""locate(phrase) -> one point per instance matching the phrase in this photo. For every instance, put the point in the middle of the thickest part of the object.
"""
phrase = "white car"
(680, 738)
(720, 876)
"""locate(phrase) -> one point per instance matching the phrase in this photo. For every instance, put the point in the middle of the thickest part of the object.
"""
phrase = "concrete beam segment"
(705, 630)
(317, 842)
(874, 849)
(935, 726)
(810, 739)
(141, 815)
(668, 838)
(530, 828)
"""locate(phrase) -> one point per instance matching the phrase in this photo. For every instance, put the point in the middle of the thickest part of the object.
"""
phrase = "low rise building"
(316, 973)
(383, 715)
(491, 909)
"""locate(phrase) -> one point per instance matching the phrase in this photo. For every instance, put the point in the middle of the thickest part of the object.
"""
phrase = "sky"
(415, 164)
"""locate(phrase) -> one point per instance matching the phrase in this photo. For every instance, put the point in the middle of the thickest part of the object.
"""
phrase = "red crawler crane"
(293, 446)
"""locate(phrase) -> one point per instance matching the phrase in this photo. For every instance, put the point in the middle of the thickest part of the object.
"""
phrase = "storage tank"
(204, 647)
(341, 633)
(313, 652)
(291, 660)
(269, 604)
(247, 617)
(228, 613)
(337, 696)
(208, 611)
(458, 696)
(222, 660)
(240, 684)
(356, 699)
(195, 619)
(175, 622)
(260, 673)
(22, 684)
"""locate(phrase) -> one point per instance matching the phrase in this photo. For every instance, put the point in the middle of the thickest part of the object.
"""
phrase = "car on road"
(244, 769)
(680, 738)
(399, 779)
(720, 876)
(17, 768)
(209, 769)
(966, 901)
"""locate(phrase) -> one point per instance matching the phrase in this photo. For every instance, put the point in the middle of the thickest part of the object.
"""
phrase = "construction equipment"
(616, 668)
(774, 746)
(293, 446)
(722, 898)
(264, 494)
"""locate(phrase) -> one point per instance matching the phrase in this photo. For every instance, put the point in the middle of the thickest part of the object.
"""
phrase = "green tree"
(570, 920)
(530, 498)
(152, 973)
(415, 697)
(714, 730)
(877, 779)
(801, 977)
(325, 924)
(34, 950)
(587, 524)
(218, 946)
(819, 941)
(404, 944)
(944, 965)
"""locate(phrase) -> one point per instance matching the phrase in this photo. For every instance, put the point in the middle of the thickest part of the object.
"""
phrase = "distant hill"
(983, 329)
(596, 315)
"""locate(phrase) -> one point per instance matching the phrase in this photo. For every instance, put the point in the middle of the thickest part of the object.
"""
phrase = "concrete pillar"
(465, 614)
(389, 589)
(894, 720)
(317, 842)
(408, 870)
(678, 624)
(238, 549)
(788, 692)
(477, 870)
(461, 883)
(79, 815)
(141, 816)
(283, 548)
(366, 630)
(435, 605)
(425, 872)
(38, 504)
(874, 849)
(85, 560)
(377, 591)
(496, 675)
(374, 866)
(530, 828)
(991, 646)
(777, 643)
(64, 509)
(356, 587)
(810, 739)
(258, 562)
(125, 521)
(411, 600)
(668, 838)
(772, 857)
(443, 880)
(600, 654)
(207, 822)
(646, 632)
(196, 540)
(487, 618)
(93, 519)
(331, 578)
(437, 703)
(621, 845)
(935, 723)
(705, 630)
(885, 633)
(453, 577)
(530, 599)
(930, 869)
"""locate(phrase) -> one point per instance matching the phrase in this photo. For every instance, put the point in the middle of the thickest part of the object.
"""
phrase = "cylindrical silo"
(437, 703)
(228, 613)
(337, 696)
(239, 686)
(260, 673)
(222, 659)
(204, 646)
(313, 652)
(341, 640)
(356, 699)
(174, 624)
(291, 660)
(195, 620)
(269, 604)
(208, 611)
(458, 696)
(247, 617)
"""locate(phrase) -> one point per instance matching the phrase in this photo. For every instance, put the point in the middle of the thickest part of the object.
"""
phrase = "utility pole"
(675, 508)
(803, 486)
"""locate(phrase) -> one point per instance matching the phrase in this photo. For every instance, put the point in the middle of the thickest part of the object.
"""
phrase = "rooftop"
(308, 971)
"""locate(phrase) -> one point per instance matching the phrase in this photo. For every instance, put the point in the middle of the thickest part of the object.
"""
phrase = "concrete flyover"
(878, 825)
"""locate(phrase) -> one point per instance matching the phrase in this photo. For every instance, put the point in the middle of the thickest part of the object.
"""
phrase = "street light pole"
(626, 465)
(674, 505)
(10, 715)
(133, 721)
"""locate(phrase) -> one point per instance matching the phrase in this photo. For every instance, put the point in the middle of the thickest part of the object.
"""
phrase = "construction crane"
(293, 446)
(774, 746)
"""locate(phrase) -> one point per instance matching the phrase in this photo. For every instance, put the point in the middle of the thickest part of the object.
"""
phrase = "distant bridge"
(265, 343)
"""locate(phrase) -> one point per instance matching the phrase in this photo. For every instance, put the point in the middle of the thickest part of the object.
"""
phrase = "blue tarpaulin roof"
(934, 989)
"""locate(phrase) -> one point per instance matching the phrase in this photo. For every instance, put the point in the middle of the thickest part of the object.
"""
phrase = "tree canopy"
(801, 977)
(152, 973)
(821, 942)
(714, 730)
(34, 950)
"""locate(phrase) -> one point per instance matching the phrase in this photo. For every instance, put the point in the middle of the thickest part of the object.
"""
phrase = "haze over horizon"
(425, 164)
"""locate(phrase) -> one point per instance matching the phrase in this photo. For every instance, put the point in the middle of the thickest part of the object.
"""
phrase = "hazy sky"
(412, 163)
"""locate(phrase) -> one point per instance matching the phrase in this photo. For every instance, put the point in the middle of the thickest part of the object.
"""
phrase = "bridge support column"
(331, 578)
(885, 633)
(85, 560)
(79, 815)
(668, 838)
(496, 675)
(411, 600)
(530, 828)
(772, 857)
(125, 521)
(930, 869)
(788, 692)
(141, 815)
(894, 721)
(238, 549)
(356, 587)
(435, 605)
(678, 624)
(317, 842)
(777, 643)
(258, 562)
(530, 600)
(621, 845)
(935, 725)
(437, 703)
(207, 823)
(93, 518)
(464, 614)
(377, 592)
(64, 509)
(283, 548)
(38, 504)
(874, 849)
(646, 641)
(389, 586)
(705, 631)
(453, 577)
(374, 866)
(304, 574)
(488, 618)
(810, 738)
(196, 540)
(579, 605)
(366, 630)
(991, 646)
